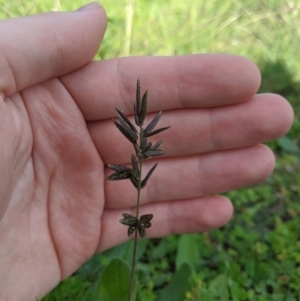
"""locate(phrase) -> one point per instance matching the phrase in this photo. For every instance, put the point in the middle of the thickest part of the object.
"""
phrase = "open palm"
(56, 210)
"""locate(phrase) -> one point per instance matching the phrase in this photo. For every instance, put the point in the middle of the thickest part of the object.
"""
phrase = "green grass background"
(257, 255)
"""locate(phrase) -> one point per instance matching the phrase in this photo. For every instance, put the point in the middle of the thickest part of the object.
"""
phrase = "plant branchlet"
(144, 149)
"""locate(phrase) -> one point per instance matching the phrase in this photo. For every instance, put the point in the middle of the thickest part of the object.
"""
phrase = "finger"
(190, 177)
(36, 48)
(184, 216)
(203, 80)
(195, 131)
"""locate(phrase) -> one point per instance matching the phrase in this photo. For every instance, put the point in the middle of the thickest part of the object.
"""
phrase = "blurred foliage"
(256, 256)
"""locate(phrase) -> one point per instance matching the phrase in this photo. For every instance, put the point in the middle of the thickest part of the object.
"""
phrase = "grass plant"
(143, 150)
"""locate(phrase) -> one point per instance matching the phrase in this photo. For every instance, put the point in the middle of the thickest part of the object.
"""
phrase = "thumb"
(36, 48)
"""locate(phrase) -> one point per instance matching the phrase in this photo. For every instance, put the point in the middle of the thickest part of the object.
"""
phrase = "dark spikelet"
(134, 182)
(145, 220)
(122, 121)
(120, 175)
(137, 150)
(128, 220)
(144, 182)
(134, 164)
(131, 229)
(127, 132)
(142, 231)
(116, 167)
(136, 115)
(127, 215)
(157, 131)
(138, 96)
(137, 104)
(143, 110)
(148, 146)
(143, 141)
(157, 145)
(153, 123)
(154, 153)
(123, 118)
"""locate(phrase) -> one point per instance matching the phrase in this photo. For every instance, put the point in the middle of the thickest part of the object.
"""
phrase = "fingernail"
(89, 7)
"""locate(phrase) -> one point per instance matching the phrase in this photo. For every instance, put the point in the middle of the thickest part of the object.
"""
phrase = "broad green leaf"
(188, 250)
(237, 292)
(114, 282)
(288, 145)
(219, 285)
(179, 286)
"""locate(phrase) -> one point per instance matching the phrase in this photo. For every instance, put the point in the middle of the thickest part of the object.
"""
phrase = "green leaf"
(73, 288)
(179, 285)
(188, 250)
(288, 145)
(114, 282)
(237, 292)
(219, 285)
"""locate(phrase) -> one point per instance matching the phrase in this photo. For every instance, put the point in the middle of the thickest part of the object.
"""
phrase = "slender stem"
(135, 234)
(132, 266)
(139, 190)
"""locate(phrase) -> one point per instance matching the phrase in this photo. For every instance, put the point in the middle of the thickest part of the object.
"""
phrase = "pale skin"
(56, 209)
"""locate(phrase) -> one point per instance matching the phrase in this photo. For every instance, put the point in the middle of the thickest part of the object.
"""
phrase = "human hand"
(56, 210)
